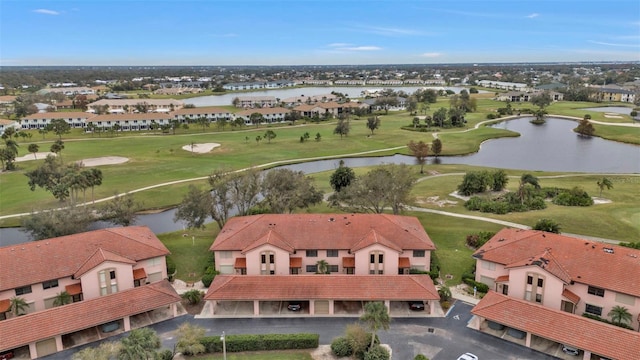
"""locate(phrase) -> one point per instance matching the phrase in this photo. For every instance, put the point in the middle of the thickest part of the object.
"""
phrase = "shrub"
(193, 296)
(171, 268)
(420, 357)
(208, 276)
(341, 347)
(445, 305)
(574, 197)
(377, 353)
(633, 113)
(480, 287)
(165, 354)
(598, 318)
(491, 116)
(547, 225)
(445, 293)
(260, 342)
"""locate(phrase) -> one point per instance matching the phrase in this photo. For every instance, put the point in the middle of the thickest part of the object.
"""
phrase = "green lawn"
(190, 250)
(156, 158)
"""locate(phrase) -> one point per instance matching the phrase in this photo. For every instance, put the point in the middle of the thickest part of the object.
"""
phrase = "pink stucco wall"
(91, 285)
(153, 265)
(553, 288)
(254, 263)
(390, 264)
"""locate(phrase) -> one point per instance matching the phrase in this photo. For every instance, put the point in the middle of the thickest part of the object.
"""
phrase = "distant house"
(41, 120)
(255, 101)
(270, 257)
(269, 115)
(120, 105)
(130, 122)
(5, 124)
(212, 113)
(111, 276)
(614, 94)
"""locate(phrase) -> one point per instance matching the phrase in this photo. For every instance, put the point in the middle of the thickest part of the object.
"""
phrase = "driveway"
(437, 338)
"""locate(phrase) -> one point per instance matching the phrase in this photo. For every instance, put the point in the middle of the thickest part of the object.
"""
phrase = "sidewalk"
(458, 293)
(182, 287)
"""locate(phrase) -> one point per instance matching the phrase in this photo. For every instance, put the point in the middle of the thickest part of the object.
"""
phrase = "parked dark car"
(294, 306)
(416, 305)
(6, 355)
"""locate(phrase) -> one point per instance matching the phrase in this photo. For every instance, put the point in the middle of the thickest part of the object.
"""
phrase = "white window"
(625, 299)
(225, 254)
(487, 265)
(156, 261)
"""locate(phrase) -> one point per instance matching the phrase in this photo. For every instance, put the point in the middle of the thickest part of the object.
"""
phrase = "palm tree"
(62, 298)
(604, 182)
(620, 315)
(375, 317)
(18, 306)
(524, 180)
(33, 148)
(140, 344)
(322, 267)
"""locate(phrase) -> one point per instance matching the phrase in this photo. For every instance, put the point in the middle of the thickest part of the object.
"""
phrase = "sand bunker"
(612, 116)
(200, 148)
(105, 160)
(37, 156)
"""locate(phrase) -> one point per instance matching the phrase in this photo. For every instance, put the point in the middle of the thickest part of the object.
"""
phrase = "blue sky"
(304, 32)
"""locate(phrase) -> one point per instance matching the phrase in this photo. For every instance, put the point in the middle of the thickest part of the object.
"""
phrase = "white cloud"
(534, 15)
(46, 12)
(431, 55)
(613, 44)
(351, 47)
(389, 31)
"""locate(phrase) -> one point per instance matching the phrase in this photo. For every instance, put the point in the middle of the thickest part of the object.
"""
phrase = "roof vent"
(332, 219)
(608, 250)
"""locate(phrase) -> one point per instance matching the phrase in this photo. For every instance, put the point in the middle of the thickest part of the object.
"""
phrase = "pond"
(549, 147)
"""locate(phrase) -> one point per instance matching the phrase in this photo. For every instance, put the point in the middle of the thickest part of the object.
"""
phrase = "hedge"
(480, 287)
(239, 343)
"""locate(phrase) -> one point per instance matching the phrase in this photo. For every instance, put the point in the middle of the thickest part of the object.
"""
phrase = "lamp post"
(224, 346)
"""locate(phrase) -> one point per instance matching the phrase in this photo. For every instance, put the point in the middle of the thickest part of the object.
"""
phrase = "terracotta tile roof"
(571, 296)
(545, 261)
(589, 262)
(139, 274)
(295, 262)
(271, 238)
(502, 278)
(5, 305)
(58, 115)
(565, 328)
(201, 110)
(337, 231)
(6, 122)
(371, 238)
(98, 257)
(349, 262)
(307, 107)
(38, 261)
(264, 111)
(130, 117)
(241, 263)
(339, 287)
(74, 289)
(134, 102)
(85, 314)
(404, 262)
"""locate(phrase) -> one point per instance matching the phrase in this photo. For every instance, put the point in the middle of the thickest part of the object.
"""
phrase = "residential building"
(244, 86)
(5, 124)
(614, 94)
(71, 90)
(130, 122)
(368, 257)
(560, 273)
(41, 120)
(269, 115)
(104, 272)
(212, 113)
(255, 101)
(136, 105)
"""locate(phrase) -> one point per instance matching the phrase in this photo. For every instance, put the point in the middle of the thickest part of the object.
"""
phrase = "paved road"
(407, 336)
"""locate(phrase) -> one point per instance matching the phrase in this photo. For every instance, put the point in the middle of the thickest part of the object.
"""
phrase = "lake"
(350, 91)
(549, 147)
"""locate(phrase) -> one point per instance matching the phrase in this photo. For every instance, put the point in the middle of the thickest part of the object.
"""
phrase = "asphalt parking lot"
(439, 338)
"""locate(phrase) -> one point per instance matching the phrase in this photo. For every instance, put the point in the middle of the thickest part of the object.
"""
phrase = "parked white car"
(467, 356)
